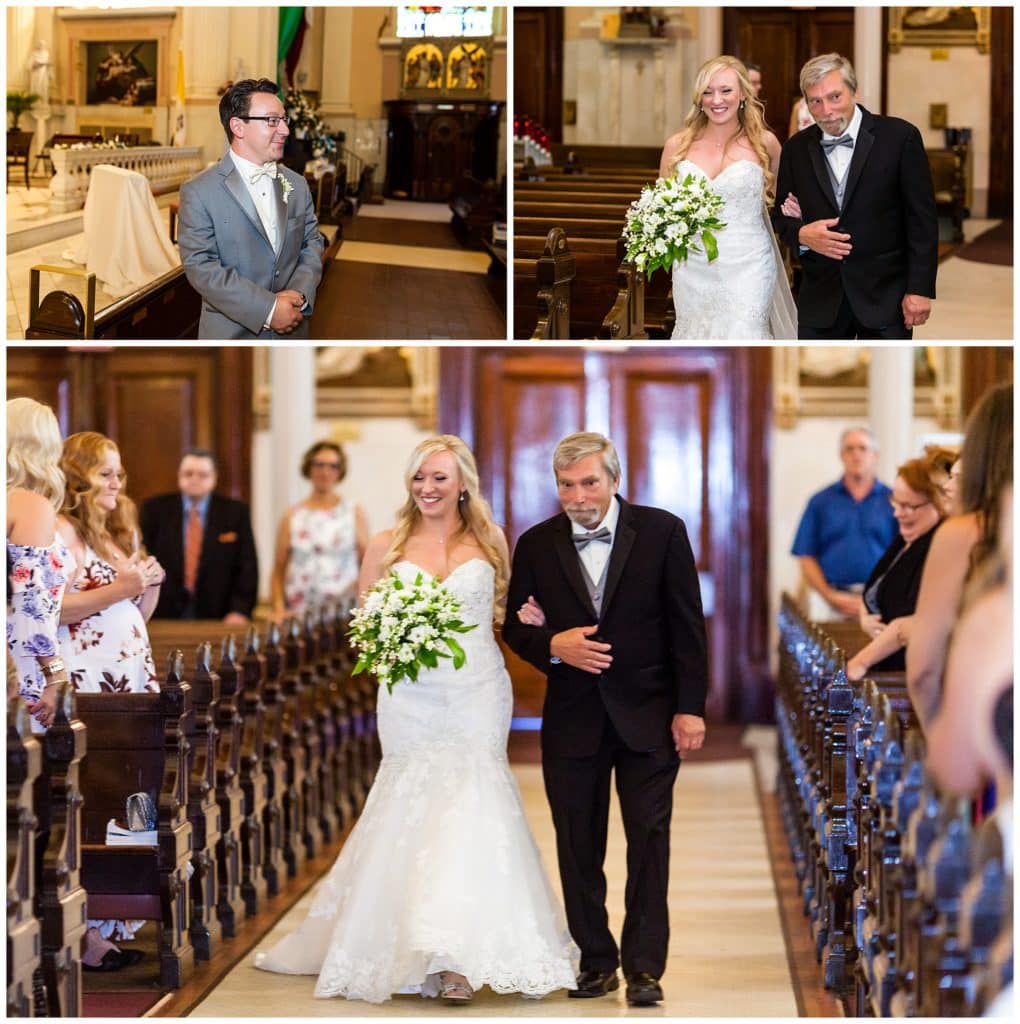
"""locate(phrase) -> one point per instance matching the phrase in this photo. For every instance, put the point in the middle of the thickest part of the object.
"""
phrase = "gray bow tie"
(582, 540)
(830, 144)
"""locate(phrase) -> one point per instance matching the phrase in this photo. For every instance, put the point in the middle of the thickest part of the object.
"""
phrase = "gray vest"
(838, 186)
(596, 591)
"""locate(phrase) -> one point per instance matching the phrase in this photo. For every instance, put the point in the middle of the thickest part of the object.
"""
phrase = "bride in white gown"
(743, 294)
(439, 888)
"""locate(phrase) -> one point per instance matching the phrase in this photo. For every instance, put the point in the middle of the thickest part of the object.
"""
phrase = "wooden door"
(153, 402)
(781, 40)
(538, 67)
(691, 429)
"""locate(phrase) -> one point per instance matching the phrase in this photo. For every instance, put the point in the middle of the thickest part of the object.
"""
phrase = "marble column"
(291, 422)
(891, 406)
(868, 56)
(337, 39)
(710, 25)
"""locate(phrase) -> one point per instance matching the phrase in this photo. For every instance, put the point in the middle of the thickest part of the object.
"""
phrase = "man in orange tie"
(205, 542)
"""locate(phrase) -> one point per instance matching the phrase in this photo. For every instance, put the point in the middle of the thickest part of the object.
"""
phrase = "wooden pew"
(60, 902)
(24, 766)
(926, 931)
(138, 743)
(203, 805)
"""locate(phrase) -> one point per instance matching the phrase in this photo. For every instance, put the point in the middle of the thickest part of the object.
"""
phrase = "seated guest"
(919, 504)
(321, 540)
(249, 238)
(844, 530)
(206, 544)
(112, 593)
(961, 545)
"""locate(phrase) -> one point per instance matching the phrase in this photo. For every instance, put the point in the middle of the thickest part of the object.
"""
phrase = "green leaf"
(361, 666)
(459, 657)
(711, 246)
(429, 659)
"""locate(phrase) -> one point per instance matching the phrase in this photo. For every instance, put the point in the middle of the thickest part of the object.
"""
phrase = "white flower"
(285, 185)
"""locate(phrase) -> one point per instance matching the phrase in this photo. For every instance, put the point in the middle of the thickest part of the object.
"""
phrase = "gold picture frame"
(441, 67)
(798, 392)
(939, 26)
(362, 386)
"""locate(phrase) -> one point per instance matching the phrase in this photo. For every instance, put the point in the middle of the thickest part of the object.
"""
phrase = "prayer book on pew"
(117, 835)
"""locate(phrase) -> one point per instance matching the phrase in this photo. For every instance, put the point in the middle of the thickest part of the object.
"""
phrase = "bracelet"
(55, 667)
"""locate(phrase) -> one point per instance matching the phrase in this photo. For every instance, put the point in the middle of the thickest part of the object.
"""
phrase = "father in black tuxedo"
(604, 599)
(863, 217)
(205, 543)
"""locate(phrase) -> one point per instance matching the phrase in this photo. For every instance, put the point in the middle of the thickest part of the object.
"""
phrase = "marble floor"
(727, 953)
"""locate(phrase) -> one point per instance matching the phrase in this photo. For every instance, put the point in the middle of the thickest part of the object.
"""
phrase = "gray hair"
(866, 431)
(579, 446)
(818, 67)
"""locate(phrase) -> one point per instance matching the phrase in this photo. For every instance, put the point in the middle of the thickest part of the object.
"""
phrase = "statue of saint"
(40, 73)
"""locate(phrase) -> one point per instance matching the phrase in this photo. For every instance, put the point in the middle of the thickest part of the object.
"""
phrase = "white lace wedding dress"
(440, 871)
(742, 294)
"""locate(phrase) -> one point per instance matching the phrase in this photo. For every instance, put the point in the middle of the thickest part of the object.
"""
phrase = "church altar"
(166, 167)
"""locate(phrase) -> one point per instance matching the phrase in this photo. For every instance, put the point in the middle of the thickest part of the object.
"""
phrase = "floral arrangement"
(668, 221)
(402, 628)
(105, 144)
(285, 186)
(305, 123)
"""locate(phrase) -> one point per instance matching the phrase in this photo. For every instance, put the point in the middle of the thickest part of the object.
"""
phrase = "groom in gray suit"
(249, 237)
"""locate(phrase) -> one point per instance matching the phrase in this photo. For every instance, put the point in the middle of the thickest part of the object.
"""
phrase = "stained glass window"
(421, 22)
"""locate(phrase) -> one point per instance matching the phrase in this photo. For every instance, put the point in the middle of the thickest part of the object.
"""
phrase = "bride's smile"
(721, 99)
(436, 486)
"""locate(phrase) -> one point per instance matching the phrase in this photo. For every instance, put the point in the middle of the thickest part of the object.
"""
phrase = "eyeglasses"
(903, 506)
(316, 464)
(272, 120)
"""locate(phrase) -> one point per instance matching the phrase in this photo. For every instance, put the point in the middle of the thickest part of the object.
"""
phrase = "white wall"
(377, 450)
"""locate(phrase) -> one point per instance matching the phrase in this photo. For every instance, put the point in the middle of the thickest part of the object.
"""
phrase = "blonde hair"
(33, 450)
(575, 447)
(825, 63)
(103, 532)
(474, 511)
(750, 117)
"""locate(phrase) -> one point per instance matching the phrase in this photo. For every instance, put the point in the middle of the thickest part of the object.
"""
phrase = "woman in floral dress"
(104, 639)
(320, 541)
(39, 565)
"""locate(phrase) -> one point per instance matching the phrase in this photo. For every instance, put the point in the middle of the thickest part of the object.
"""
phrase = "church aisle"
(727, 953)
(435, 289)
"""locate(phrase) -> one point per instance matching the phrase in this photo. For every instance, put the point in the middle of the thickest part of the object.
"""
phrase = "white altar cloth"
(126, 243)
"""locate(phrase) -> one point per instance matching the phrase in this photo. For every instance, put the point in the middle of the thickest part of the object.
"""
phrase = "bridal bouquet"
(668, 221)
(402, 628)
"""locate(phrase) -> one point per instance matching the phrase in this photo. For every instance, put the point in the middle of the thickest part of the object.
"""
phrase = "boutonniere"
(285, 185)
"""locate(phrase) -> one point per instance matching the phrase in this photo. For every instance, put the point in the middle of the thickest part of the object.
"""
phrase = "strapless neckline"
(449, 576)
(707, 177)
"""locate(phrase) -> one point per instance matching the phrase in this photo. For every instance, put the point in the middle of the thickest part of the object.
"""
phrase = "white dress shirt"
(265, 205)
(839, 157)
(595, 555)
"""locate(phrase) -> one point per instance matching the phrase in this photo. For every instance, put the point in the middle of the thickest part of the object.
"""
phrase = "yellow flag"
(179, 122)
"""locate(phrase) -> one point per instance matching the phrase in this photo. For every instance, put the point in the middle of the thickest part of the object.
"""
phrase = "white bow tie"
(268, 170)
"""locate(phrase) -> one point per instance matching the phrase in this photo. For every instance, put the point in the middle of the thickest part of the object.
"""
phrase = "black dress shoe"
(643, 989)
(591, 984)
(115, 960)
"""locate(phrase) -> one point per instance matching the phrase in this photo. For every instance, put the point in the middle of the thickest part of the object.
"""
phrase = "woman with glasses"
(919, 502)
(320, 541)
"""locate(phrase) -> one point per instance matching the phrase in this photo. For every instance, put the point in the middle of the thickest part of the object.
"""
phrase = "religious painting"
(468, 68)
(352, 382)
(122, 73)
(423, 69)
(938, 26)
(832, 380)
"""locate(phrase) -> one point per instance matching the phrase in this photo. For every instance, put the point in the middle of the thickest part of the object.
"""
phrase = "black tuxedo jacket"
(888, 209)
(228, 570)
(651, 615)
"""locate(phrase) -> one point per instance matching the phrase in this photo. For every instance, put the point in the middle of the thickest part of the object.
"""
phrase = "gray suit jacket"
(229, 259)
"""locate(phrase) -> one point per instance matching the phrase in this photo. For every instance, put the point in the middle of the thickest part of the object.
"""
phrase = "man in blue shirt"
(846, 527)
